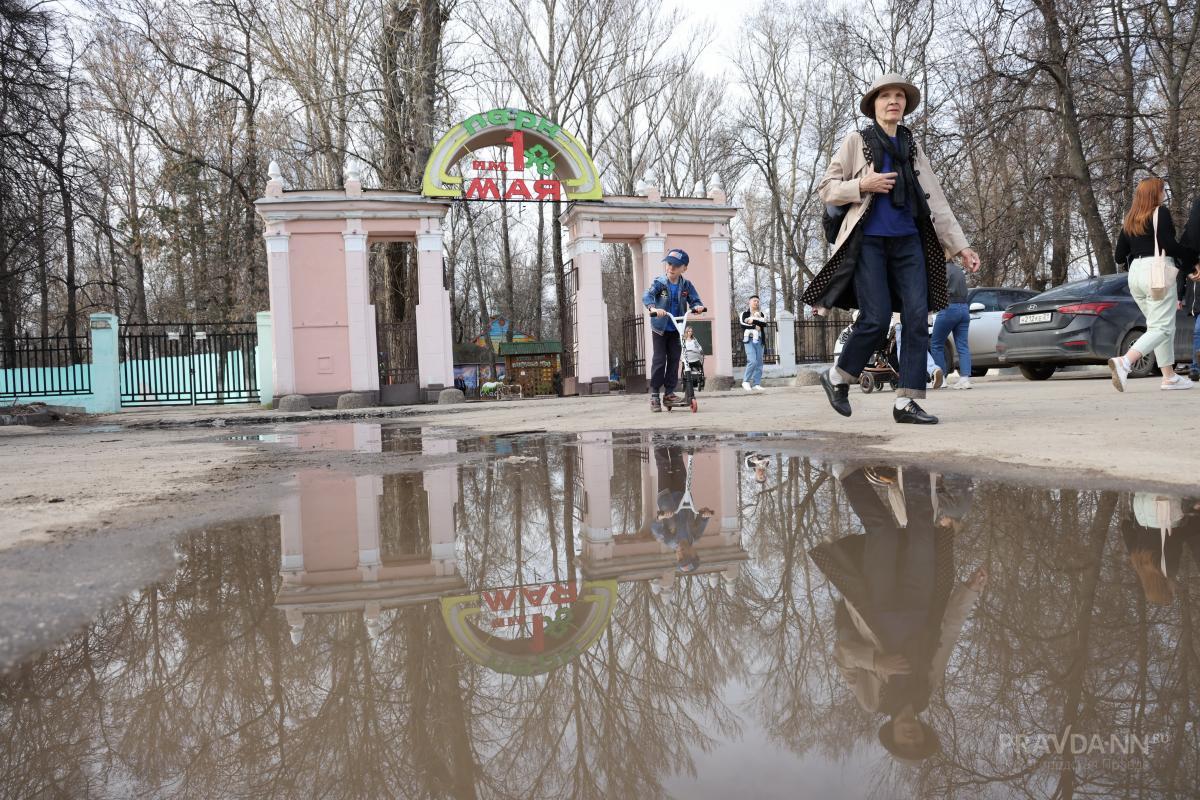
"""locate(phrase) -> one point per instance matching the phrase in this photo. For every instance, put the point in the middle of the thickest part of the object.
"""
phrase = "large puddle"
(633, 615)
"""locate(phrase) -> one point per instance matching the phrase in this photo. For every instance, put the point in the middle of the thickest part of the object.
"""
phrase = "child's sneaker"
(655, 403)
(671, 398)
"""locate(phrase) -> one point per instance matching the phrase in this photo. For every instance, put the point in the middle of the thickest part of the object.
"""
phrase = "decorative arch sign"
(564, 169)
(548, 624)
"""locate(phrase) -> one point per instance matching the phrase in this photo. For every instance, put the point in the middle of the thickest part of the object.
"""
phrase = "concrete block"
(807, 377)
(357, 400)
(293, 402)
(720, 383)
(448, 397)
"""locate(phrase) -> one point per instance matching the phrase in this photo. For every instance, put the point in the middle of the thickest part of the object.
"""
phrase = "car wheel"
(1037, 372)
(978, 372)
(1144, 366)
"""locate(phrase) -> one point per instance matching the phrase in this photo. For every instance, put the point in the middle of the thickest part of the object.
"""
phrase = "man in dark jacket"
(1191, 299)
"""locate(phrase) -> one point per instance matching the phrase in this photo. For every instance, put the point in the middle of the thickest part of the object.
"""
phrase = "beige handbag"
(1162, 274)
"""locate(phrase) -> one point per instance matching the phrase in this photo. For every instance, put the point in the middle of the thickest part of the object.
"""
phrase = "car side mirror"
(977, 307)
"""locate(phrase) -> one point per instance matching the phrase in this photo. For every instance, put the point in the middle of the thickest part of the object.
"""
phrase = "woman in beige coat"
(888, 253)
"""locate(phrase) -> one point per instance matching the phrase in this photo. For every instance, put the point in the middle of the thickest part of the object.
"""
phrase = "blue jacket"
(659, 296)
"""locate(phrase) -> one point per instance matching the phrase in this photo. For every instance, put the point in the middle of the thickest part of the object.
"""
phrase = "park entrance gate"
(184, 363)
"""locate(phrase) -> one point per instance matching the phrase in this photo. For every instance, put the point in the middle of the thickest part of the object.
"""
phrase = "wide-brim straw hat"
(867, 106)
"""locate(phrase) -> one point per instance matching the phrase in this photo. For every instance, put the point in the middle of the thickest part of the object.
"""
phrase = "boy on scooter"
(668, 296)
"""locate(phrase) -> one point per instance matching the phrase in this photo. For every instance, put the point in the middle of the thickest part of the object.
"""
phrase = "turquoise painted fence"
(182, 380)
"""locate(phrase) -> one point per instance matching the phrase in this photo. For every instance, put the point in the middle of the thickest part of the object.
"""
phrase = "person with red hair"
(1147, 233)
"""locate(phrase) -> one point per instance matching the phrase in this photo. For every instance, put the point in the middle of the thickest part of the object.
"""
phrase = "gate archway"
(325, 340)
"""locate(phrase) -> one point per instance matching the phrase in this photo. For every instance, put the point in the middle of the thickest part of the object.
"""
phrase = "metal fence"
(397, 343)
(570, 353)
(770, 351)
(38, 366)
(633, 349)
(188, 363)
(815, 339)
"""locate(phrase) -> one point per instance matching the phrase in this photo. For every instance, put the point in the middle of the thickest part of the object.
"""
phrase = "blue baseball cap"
(677, 257)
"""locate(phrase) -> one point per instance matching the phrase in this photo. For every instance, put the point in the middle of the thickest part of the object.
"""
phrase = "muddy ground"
(168, 465)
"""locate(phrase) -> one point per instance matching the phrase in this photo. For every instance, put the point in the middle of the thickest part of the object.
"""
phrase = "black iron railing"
(770, 351)
(188, 363)
(39, 366)
(397, 343)
(815, 339)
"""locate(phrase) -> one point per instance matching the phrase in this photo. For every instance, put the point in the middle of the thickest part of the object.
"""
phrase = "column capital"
(719, 244)
(430, 242)
(277, 242)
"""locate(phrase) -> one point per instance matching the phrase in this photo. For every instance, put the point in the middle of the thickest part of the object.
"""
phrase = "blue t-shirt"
(883, 218)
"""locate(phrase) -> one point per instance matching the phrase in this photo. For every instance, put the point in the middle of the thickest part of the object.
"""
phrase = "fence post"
(264, 359)
(785, 341)
(106, 364)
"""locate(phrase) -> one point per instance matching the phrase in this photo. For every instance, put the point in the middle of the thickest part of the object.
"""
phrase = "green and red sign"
(562, 168)
(532, 629)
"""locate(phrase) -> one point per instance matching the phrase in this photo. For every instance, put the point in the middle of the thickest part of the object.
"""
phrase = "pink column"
(360, 314)
(654, 246)
(441, 494)
(367, 491)
(291, 534)
(591, 312)
(728, 481)
(719, 310)
(596, 454)
(435, 353)
(279, 287)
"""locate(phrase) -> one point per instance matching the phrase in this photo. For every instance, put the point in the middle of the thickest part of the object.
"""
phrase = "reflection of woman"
(1155, 532)
(759, 463)
(678, 524)
(901, 612)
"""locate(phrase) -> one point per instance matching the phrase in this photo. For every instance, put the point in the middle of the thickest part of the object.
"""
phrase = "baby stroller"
(883, 368)
(697, 370)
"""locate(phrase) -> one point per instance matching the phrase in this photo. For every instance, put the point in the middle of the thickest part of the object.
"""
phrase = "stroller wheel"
(894, 383)
(866, 382)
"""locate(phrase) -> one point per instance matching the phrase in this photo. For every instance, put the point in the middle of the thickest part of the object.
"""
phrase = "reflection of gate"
(633, 353)
(184, 363)
(570, 354)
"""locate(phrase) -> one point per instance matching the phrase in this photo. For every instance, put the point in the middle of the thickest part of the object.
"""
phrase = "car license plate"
(1030, 319)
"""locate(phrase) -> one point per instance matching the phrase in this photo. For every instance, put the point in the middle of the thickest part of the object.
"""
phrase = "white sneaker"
(746, 386)
(1178, 382)
(936, 378)
(1119, 367)
(758, 388)
(963, 383)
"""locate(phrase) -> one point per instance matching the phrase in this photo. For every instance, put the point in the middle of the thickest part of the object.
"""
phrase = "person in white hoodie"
(693, 354)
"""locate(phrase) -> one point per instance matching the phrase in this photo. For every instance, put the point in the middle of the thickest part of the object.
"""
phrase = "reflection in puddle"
(627, 615)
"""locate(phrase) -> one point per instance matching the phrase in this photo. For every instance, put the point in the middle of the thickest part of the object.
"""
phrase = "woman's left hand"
(970, 259)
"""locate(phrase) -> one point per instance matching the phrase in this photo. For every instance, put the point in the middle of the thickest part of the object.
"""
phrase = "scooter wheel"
(695, 406)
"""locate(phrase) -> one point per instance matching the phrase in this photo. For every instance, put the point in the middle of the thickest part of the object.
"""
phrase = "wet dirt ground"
(391, 610)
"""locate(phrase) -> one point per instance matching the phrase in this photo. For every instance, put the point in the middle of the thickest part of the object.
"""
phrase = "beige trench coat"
(840, 186)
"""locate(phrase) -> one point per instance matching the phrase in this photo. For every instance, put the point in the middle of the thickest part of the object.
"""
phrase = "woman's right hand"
(876, 182)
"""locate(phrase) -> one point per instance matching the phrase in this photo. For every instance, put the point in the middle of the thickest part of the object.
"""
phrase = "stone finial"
(275, 184)
(698, 189)
(353, 182)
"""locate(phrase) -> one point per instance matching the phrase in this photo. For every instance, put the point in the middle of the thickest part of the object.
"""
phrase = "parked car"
(987, 304)
(1084, 322)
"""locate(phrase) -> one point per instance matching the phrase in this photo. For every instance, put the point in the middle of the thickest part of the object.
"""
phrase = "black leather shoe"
(838, 394)
(914, 414)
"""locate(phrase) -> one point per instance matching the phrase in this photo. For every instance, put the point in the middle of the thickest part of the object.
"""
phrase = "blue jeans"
(1196, 345)
(956, 319)
(754, 363)
(890, 266)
